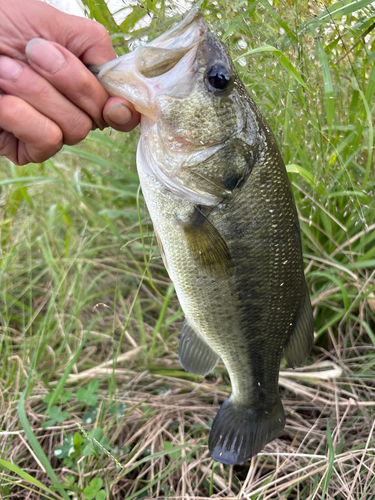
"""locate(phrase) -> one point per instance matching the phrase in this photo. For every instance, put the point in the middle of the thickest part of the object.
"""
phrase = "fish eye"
(218, 77)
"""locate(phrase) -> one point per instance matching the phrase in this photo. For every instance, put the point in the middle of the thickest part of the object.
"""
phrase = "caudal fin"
(239, 433)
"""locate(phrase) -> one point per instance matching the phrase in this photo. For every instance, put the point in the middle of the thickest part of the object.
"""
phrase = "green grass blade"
(161, 317)
(338, 283)
(166, 472)
(367, 327)
(60, 385)
(95, 159)
(137, 14)
(100, 12)
(9, 480)
(27, 477)
(335, 319)
(371, 84)
(235, 26)
(34, 443)
(338, 9)
(211, 490)
(327, 80)
(370, 140)
(127, 470)
(293, 168)
(35, 180)
(131, 19)
(146, 261)
(331, 461)
(283, 60)
(276, 16)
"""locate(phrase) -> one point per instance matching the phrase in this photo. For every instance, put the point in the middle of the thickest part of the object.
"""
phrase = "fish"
(226, 223)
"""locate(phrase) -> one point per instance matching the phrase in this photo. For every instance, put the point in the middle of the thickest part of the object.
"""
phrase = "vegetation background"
(93, 402)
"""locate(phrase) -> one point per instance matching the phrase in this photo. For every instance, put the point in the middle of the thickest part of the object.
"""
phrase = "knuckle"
(10, 69)
(11, 109)
(80, 130)
(100, 31)
(53, 137)
(85, 83)
(39, 89)
(8, 146)
(26, 130)
(41, 157)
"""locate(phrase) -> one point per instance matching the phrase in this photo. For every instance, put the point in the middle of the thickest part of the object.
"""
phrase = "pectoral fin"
(207, 247)
(196, 356)
(298, 347)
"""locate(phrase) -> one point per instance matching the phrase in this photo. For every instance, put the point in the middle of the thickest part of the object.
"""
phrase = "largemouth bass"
(224, 215)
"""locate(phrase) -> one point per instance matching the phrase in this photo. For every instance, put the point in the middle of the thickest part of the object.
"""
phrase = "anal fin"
(196, 356)
(298, 346)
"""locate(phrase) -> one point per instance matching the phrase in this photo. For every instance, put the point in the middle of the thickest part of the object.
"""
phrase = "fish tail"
(238, 433)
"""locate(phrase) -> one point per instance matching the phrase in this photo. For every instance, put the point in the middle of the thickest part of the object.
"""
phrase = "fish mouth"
(140, 75)
(184, 35)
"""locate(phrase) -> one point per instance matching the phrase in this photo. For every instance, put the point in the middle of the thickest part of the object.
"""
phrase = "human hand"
(49, 97)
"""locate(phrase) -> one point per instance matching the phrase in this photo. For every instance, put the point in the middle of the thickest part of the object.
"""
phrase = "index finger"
(69, 76)
(86, 39)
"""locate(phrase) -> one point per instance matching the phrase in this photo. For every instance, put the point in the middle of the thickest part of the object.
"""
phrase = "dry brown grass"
(299, 464)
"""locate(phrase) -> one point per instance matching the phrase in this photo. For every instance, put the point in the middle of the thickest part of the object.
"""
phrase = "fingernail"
(9, 68)
(119, 114)
(45, 55)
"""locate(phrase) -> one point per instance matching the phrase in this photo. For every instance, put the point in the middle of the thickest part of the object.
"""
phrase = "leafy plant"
(89, 394)
(94, 490)
(56, 417)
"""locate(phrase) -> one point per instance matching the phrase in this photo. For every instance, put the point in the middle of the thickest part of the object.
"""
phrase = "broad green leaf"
(56, 414)
(167, 445)
(90, 491)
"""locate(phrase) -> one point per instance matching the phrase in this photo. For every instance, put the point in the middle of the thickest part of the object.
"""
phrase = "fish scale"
(225, 219)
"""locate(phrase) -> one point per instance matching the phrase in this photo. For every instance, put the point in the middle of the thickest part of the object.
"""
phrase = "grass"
(93, 401)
